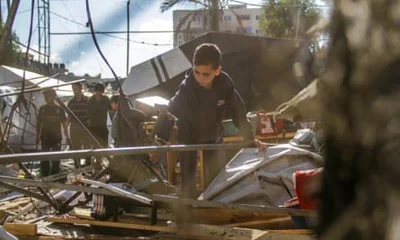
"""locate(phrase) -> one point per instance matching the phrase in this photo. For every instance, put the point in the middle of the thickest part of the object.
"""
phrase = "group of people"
(205, 98)
(91, 112)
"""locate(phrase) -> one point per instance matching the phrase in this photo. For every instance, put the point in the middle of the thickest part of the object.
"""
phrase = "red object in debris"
(302, 179)
(267, 127)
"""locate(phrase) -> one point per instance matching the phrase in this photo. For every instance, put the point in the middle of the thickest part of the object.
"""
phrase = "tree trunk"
(360, 189)
(214, 16)
(6, 33)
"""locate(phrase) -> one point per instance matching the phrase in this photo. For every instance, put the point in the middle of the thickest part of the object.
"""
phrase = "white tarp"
(156, 71)
(23, 131)
(254, 177)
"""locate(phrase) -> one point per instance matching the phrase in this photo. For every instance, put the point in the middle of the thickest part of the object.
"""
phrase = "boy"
(48, 131)
(206, 97)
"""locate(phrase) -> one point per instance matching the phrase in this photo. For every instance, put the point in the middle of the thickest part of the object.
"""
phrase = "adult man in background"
(98, 106)
(78, 105)
(48, 131)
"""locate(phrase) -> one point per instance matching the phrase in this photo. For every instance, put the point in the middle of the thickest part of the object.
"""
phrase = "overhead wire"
(110, 35)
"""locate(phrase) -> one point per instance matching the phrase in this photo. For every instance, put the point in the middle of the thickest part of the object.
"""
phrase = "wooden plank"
(274, 223)
(21, 229)
(172, 159)
(199, 231)
(3, 215)
(202, 180)
(221, 216)
(157, 228)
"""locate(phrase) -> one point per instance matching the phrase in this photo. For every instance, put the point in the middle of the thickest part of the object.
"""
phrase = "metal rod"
(42, 88)
(127, 35)
(54, 185)
(72, 114)
(164, 198)
(46, 156)
(29, 79)
(107, 32)
(25, 192)
(119, 191)
(65, 206)
(41, 190)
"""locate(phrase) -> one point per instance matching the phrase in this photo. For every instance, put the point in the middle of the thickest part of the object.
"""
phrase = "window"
(258, 31)
(180, 39)
(197, 20)
(245, 17)
(227, 18)
(257, 17)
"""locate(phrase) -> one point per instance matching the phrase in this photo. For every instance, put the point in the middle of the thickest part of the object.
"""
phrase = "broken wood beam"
(157, 228)
(200, 231)
(275, 223)
(233, 206)
(21, 229)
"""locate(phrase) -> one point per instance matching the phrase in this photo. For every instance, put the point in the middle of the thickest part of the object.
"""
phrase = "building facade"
(229, 22)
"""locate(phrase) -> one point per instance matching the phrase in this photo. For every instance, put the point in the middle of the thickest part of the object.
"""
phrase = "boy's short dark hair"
(115, 99)
(207, 54)
(78, 84)
(99, 87)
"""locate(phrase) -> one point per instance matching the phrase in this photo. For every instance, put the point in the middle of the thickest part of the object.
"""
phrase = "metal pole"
(41, 88)
(48, 33)
(298, 19)
(61, 186)
(165, 198)
(127, 37)
(25, 192)
(108, 32)
(46, 156)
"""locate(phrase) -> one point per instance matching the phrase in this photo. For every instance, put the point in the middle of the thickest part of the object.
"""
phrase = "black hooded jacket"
(200, 111)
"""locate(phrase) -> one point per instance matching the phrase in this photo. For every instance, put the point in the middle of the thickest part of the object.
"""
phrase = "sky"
(78, 51)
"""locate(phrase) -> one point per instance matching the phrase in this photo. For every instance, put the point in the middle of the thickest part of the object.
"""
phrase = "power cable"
(27, 48)
(90, 23)
(109, 35)
(262, 5)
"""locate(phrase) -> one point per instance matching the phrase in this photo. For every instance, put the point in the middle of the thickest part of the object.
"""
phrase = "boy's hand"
(260, 145)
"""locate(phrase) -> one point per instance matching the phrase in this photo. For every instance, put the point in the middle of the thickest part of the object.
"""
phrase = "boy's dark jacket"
(185, 105)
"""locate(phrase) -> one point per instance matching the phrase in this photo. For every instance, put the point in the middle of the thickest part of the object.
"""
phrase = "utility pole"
(43, 9)
(298, 18)
(5, 34)
(1, 15)
(127, 36)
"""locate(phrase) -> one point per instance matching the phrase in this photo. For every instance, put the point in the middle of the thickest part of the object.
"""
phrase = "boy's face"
(114, 106)
(205, 74)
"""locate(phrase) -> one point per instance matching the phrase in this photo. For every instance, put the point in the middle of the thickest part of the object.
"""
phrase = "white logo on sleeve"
(220, 102)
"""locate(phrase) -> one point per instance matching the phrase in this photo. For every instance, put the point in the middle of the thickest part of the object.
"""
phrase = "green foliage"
(11, 50)
(279, 17)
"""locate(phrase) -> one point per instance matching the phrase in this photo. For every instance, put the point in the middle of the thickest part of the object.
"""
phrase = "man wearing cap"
(48, 131)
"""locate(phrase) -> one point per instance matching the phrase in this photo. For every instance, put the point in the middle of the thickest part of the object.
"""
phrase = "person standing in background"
(98, 107)
(48, 131)
(78, 105)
